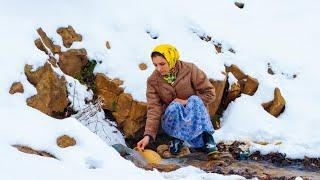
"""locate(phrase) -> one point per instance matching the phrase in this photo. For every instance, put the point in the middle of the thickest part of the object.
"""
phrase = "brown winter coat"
(190, 81)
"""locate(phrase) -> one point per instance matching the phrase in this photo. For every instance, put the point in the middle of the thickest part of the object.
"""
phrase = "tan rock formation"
(16, 87)
(219, 88)
(29, 150)
(65, 141)
(47, 42)
(51, 94)
(143, 66)
(68, 35)
(72, 61)
(277, 105)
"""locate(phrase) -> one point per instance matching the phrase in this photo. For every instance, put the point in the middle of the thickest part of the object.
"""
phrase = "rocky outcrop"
(248, 84)
(219, 89)
(129, 114)
(277, 105)
(68, 35)
(29, 150)
(16, 87)
(46, 43)
(65, 141)
(51, 94)
(72, 61)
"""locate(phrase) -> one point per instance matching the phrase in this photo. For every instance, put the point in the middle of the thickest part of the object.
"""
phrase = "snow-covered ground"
(284, 33)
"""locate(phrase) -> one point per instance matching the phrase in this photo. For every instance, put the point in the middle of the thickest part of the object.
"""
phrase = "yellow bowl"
(149, 155)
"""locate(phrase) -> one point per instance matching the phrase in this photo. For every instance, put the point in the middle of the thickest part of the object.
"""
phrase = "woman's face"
(161, 65)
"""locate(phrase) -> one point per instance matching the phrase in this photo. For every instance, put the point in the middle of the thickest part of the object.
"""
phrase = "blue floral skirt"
(188, 122)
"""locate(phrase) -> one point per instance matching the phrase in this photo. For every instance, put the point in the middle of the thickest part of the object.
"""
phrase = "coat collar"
(183, 70)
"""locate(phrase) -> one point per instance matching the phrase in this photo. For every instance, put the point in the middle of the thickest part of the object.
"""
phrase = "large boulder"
(277, 105)
(129, 114)
(16, 87)
(219, 88)
(51, 94)
(68, 35)
(72, 61)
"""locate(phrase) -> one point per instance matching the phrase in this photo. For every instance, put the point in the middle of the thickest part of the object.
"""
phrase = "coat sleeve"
(154, 111)
(203, 87)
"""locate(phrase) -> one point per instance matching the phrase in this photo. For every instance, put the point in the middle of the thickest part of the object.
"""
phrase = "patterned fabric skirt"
(188, 122)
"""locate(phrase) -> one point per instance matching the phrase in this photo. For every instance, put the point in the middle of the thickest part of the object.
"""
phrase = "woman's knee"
(173, 106)
(194, 98)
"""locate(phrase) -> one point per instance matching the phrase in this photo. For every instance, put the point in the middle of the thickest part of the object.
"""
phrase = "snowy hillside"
(281, 34)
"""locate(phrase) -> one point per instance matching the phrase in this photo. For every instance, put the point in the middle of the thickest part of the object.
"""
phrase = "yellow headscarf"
(169, 52)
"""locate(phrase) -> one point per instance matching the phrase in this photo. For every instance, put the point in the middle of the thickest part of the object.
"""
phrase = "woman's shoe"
(209, 144)
(175, 146)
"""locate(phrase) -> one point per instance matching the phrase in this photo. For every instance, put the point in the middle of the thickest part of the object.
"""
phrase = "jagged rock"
(51, 94)
(123, 107)
(72, 61)
(163, 151)
(108, 45)
(40, 46)
(219, 88)
(234, 92)
(69, 36)
(48, 42)
(29, 150)
(248, 84)
(16, 87)
(108, 91)
(143, 66)
(117, 81)
(277, 105)
(65, 141)
(53, 62)
(239, 5)
(136, 119)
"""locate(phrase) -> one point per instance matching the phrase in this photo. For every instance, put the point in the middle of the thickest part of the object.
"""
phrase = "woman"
(178, 94)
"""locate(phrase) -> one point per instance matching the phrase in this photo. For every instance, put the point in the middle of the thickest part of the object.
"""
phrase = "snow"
(282, 33)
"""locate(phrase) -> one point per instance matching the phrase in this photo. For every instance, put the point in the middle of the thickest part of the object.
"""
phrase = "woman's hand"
(181, 101)
(143, 142)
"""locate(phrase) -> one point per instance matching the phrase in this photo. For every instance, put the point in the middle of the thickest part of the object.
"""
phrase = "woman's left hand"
(181, 101)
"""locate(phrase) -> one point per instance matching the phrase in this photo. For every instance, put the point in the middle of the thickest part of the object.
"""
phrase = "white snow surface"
(282, 33)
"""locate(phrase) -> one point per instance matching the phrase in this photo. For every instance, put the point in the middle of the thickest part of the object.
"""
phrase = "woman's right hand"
(143, 142)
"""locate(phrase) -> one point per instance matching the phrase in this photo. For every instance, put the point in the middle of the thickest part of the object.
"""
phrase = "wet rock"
(29, 150)
(16, 87)
(239, 5)
(65, 141)
(51, 94)
(143, 66)
(68, 35)
(72, 61)
(162, 167)
(47, 42)
(277, 105)
(164, 152)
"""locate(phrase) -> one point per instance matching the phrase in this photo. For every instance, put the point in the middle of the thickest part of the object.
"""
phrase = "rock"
(234, 92)
(270, 71)
(136, 119)
(72, 61)
(47, 42)
(29, 150)
(163, 151)
(249, 85)
(239, 5)
(218, 48)
(108, 91)
(123, 108)
(51, 94)
(277, 105)
(108, 45)
(65, 141)
(40, 45)
(117, 81)
(68, 35)
(143, 66)
(162, 167)
(16, 87)
(219, 88)
(53, 62)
